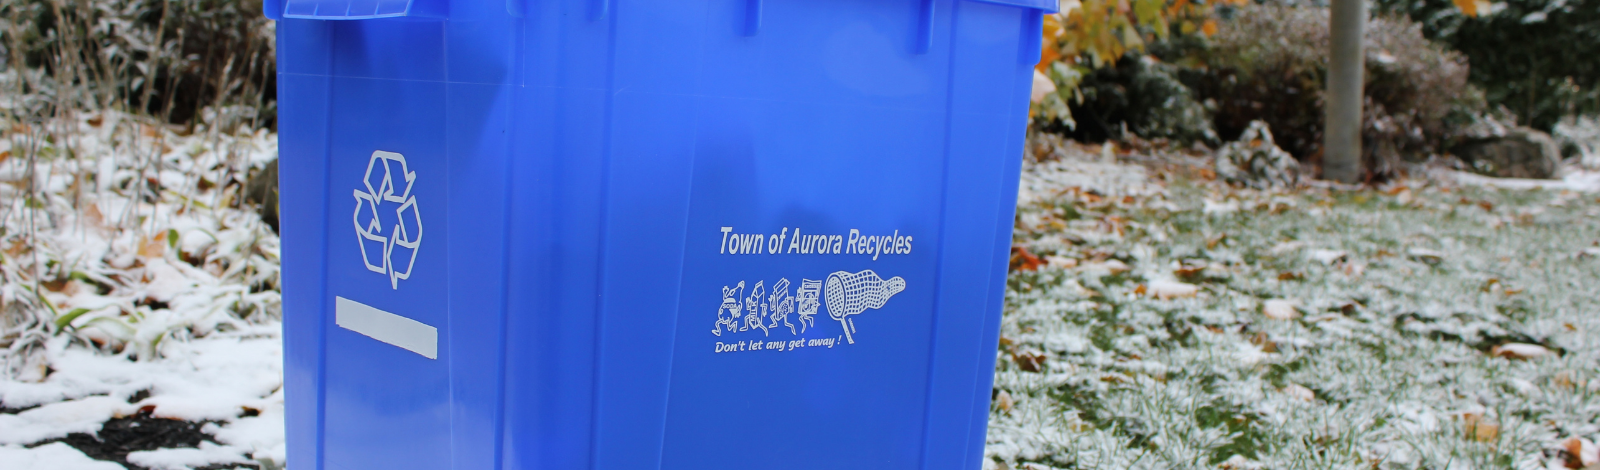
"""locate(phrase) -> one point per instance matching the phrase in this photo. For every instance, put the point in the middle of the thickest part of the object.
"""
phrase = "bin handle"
(1032, 21)
(924, 28)
(752, 17)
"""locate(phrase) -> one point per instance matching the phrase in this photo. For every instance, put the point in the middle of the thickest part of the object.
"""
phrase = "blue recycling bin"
(636, 234)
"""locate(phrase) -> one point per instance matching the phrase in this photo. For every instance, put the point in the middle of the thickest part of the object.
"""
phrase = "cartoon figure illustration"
(756, 310)
(806, 302)
(728, 312)
(780, 305)
(850, 294)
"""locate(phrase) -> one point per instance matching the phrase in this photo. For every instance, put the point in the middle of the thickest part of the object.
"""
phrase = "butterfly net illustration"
(849, 294)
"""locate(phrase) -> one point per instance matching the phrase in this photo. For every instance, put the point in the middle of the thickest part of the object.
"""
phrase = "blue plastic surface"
(532, 235)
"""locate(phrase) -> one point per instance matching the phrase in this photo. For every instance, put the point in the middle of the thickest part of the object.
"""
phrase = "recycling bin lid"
(370, 9)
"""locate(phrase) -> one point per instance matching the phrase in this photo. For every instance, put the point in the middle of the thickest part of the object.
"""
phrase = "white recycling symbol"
(394, 244)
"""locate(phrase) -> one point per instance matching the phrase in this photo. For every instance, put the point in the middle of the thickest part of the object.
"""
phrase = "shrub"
(1143, 96)
(166, 58)
(1534, 57)
(1270, 63)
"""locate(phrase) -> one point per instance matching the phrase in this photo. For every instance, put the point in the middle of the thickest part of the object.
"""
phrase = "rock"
(1256, 161)
(1518, 152)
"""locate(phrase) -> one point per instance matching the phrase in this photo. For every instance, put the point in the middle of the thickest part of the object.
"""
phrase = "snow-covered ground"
(136, 292)
(1161, 320)
(1155, 318)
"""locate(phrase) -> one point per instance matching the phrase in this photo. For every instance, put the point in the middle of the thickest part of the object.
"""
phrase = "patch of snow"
(52, 456)
(185, 458)
(55, 420)
(1575, 180)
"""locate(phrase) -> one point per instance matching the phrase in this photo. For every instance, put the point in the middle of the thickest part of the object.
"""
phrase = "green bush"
(1534, 57)
(1143, 96)
(1269, 63)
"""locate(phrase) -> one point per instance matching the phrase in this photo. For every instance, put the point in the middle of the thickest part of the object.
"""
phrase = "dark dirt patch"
(6, 410)
(139, 432)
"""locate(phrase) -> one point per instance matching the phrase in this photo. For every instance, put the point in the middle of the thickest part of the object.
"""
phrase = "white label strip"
(406, 333)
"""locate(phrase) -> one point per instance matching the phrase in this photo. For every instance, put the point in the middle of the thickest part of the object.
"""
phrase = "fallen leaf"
(96, 120)
(1296, 391)
(1261, 340)
(1285, 247)
(153, 247)
(1167, 289)
(1484, 432)
(1061, 262)
(1029, 362)
(1188, 271)
(1564, 380)
(1489, 285)
(1581, 453)
(1328, 256)
(1280, 309)
(1214, 241)
(1114, 378)
(1022, 260)
(1519, 351)
(16, 248)
(1424, 255)
(92, 215)
(1289, 276)
(1002, 401)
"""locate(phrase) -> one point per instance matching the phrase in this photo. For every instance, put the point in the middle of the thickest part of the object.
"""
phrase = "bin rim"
(313, 9)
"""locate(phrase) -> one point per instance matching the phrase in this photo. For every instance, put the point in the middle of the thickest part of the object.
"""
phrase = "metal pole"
(1341, 136)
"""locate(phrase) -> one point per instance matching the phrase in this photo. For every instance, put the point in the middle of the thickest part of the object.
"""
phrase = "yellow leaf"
(1209, 27)
(1468, 7)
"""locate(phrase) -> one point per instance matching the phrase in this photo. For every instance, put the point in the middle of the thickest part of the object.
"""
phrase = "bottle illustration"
(850, 294)
(806, 301)
(780, 305)
(755, 307)
(728, 312)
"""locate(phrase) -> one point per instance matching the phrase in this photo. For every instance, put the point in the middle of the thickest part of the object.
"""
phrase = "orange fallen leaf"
(153, 247)
(1003, 401)
(1479, 429)
(1022, 260)
(1029, 362)
(1214, 241)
